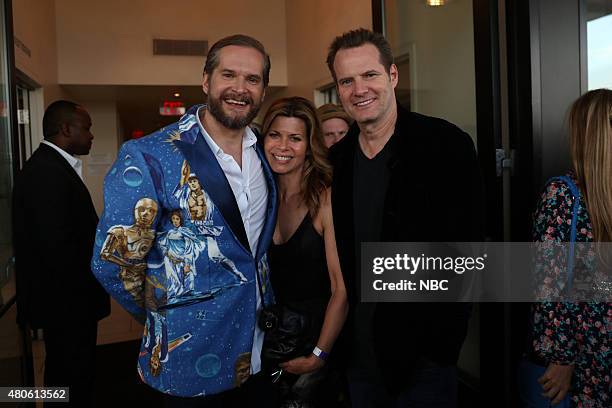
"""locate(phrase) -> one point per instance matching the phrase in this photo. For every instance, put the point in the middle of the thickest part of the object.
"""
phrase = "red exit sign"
(172, 108)
(137, 134)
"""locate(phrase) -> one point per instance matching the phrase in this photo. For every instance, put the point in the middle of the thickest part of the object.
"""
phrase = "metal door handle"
(7, 270)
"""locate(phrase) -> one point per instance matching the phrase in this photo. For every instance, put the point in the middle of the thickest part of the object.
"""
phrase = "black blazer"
(54, 227)
(434, 195)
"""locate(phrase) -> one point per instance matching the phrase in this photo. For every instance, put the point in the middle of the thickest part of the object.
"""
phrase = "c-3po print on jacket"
(169, 250)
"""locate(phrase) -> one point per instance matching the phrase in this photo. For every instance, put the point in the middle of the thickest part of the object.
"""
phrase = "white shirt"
(75, 163)
(251, 192)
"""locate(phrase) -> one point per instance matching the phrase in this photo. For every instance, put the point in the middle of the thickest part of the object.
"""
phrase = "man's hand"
(302, 365)
(556, 382)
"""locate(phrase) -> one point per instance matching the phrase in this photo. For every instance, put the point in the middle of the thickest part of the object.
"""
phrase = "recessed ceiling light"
(177, 94)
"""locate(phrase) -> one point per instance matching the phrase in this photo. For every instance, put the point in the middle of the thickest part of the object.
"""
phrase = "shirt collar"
(74, 162)
(248, 138)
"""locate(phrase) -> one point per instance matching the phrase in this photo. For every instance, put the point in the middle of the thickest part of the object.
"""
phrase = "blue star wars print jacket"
(172, 250)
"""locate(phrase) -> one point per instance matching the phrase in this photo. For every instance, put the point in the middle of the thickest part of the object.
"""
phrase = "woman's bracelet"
(320, 353)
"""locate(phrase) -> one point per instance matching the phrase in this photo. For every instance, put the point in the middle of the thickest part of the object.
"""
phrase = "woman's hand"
(556, 382)
(302, 365)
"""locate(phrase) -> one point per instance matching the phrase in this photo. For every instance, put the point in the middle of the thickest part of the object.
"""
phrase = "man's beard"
(238, 122)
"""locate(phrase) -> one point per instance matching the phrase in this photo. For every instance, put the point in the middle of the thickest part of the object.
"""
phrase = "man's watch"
(320, 353)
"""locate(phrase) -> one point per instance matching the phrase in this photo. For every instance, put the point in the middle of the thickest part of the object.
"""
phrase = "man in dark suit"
(398, 176)
(54, 227)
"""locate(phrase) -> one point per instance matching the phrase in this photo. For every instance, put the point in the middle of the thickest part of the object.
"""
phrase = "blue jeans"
(529, 389)
(428, 388)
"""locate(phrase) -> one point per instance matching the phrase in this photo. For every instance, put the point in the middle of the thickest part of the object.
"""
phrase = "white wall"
(34, 27)
(104, 149)
(111, 42)
(311, 27)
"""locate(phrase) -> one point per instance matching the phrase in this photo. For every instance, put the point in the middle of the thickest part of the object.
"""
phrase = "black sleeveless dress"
(299, 267)
(299, 276)
(300, 280)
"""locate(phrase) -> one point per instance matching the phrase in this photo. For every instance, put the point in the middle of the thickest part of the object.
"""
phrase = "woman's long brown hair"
(317, 170)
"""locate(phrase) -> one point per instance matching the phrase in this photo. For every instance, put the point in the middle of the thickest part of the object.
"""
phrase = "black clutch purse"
(288, 334)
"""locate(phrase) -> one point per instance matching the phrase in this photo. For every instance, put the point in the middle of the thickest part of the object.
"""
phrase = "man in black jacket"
(54, 227)
(398, 176)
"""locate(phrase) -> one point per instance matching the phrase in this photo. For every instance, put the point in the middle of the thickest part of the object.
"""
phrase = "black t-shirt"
(371, 179)
(370, 183)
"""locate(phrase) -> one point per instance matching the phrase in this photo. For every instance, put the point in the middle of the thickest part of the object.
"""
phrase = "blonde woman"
(304, 266)
(572, 340)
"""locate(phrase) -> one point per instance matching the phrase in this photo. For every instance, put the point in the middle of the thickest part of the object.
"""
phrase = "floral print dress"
(572, 333)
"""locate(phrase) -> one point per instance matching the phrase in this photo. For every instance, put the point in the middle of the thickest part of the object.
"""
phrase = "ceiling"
(598, 8)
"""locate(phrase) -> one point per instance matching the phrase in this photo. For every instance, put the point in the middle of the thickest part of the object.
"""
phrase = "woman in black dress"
(304, 266)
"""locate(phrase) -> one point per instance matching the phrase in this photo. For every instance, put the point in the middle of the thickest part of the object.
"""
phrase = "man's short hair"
(241, 40)
(57, 114)
(357, 38)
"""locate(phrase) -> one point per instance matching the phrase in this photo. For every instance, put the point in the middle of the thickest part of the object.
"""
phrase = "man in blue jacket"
(189, 214)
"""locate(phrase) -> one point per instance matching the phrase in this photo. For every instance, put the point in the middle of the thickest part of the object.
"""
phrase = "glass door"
(7, 286)
(433, 46)
(23, 123)
(449, 54)
(599, 43)
(15, 350)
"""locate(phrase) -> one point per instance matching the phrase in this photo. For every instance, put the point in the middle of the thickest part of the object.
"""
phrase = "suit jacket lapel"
(268, 229)
(204, 164)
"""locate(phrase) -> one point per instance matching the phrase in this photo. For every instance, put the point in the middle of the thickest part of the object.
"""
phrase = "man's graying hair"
(357, 38)
(241, 40)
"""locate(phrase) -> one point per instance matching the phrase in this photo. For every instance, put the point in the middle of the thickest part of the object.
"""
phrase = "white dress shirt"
(75, 163)
(251, 192)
